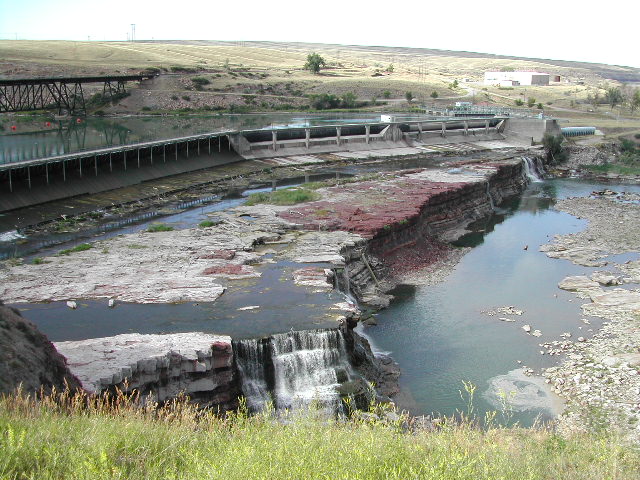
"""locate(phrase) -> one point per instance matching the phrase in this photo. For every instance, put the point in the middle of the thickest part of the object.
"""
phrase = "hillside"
(241, 77)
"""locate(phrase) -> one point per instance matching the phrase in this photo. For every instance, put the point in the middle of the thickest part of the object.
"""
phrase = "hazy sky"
(603, 32)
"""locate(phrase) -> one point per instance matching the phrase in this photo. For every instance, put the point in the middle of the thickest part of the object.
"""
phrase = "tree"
(553, 147)
(409, 96)
(386, 94)
(613, 96)
(390, 68)
(314, 63)
(349, 100)
(434, 94)
(531, 102)
(635, 100)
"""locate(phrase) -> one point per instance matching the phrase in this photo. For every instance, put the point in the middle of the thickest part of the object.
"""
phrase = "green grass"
(37, 261)
(207, 223)
(159, 227)
(78, 248)
(92, 439)
(286, 196)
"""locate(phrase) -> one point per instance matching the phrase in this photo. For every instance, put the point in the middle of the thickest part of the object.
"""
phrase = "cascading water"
(493, 207)
(533, 169)
(295, 369)
(253, 358)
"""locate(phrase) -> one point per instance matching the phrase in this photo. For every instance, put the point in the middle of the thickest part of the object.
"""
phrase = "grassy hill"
(267, 76)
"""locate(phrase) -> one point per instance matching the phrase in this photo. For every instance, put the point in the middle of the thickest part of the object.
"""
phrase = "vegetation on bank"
(78, 248)
(285, 196)
(99, 438)
(627, 163)
(159, 227)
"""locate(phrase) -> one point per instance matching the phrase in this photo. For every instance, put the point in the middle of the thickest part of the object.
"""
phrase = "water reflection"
(45, 138)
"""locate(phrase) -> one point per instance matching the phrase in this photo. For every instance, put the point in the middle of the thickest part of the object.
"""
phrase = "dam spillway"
(39, 180)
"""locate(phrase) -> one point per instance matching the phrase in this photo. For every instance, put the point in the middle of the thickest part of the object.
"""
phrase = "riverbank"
(123, 440)
(600, 376)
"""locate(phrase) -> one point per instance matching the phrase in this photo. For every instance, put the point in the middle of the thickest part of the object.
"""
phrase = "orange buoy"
(48, 124)
(78, 120)
(13, 127)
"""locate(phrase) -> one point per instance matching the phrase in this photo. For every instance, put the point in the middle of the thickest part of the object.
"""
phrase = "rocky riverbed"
(600, 376)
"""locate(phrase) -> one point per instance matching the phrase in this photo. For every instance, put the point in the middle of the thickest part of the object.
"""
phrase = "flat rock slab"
(619, 298)
(579, 282)
(98, 362)
(161, 267)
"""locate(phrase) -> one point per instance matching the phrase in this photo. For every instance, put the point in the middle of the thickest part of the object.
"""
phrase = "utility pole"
(133, 32)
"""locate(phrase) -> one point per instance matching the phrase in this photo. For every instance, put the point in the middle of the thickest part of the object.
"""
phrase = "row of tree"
(615, 96)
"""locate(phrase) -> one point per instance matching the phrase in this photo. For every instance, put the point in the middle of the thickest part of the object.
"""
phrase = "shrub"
(186, 97)
(434, 94)
(553, 147)
(200, 82)
(37, 261)
(519, 102)
(386, 94)
(182, 69)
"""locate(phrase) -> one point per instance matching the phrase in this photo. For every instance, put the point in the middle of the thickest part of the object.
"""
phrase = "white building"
(511, 79)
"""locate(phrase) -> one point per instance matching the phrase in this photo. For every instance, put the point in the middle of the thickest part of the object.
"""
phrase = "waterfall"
(533, 169)
(493, 207)
(295, 368)
(252, 359)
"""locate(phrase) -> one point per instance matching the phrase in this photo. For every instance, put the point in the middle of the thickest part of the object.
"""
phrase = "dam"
(49, 174)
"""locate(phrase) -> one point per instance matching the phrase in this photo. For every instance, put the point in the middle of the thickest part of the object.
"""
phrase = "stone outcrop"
(380, 370)
(161, 366)
(28, 358)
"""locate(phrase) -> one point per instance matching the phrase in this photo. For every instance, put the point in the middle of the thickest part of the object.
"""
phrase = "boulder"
(605, 279)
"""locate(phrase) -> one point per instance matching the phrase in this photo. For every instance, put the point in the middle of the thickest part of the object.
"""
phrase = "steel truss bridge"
(63, 94)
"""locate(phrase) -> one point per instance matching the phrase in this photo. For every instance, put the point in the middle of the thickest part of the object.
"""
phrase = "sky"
(605, 32)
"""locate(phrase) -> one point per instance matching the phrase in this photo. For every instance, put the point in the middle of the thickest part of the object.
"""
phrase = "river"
(438, 334)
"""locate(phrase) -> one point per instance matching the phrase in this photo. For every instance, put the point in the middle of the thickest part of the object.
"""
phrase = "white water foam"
(10, 236)
(533, 169)
(520, 393)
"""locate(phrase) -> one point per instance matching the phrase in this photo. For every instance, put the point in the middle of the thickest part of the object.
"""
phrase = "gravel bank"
(600, 376)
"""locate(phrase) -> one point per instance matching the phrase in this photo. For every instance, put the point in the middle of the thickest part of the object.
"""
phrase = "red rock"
(221, 254)
(229, 269)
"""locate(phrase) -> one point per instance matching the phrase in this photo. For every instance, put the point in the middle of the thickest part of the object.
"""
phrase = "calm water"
(282, 306)
(45, 138)
(439, 336)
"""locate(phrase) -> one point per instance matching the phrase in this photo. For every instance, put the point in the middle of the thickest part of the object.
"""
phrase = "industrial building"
(512, 79)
